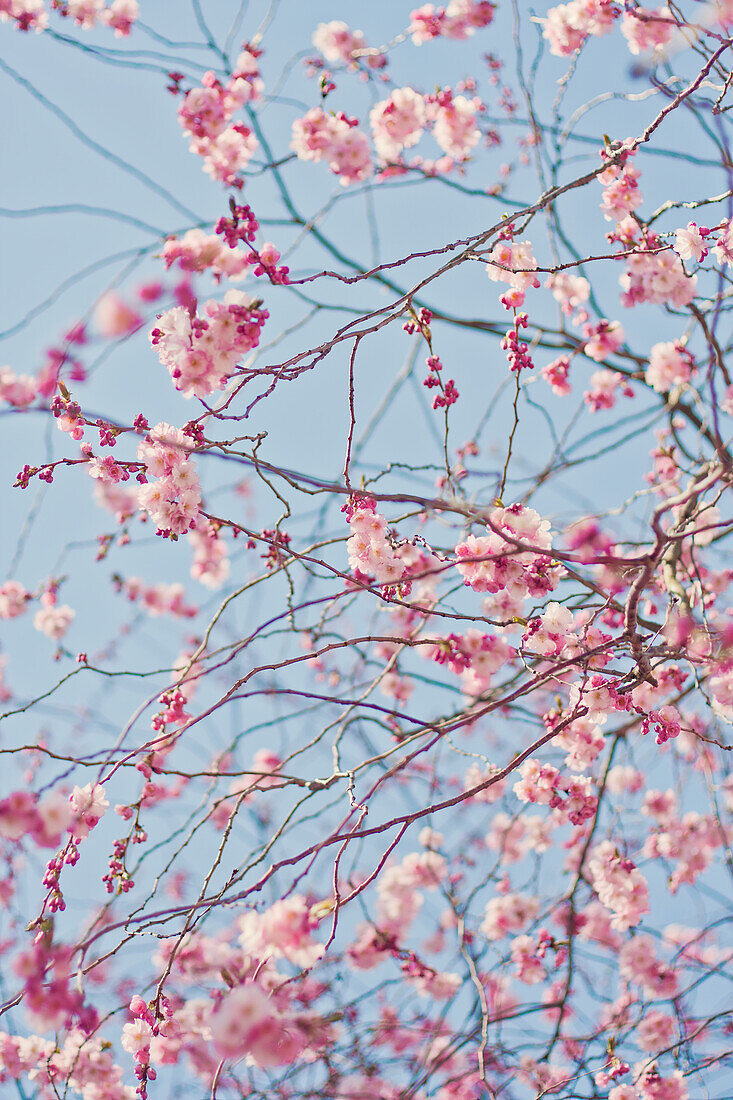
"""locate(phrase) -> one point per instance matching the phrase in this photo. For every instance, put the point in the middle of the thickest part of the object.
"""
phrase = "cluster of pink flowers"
(398, 890)
(159, 599)
(199, 251)
(556, 375)
(371, 553)
(172, 494)
(69, 418)
(113, 316)
(653, 273)
(513, 262)
(83, 1063)
(51, 1002)
(18, 390)
(652, 1086)
(647, 29)
(508, 913)
(583, 742)
(53, 619)
(515, 837)
(724, 245)
(640, 965)
(490, 563)
(690, 839)
(13, 599)
(571, 291)
(603, 339)
(335, 139)
(459, 19)
(527, 955)
(454, 123)
(690, 242)
(621, 194)
(605, 386)
(138, 1035)
(201, 354)
(45, 820)
(567, 26)
(473, 655)
(282, 931)
(670, 365)
(114, 497)
(121, 14)
(249, 1022)
(620, 886)
(89, 805)
(336, 42)
(28, 15)
(551, 632)
(599, 697)
(210, 561)
(105, 470)
(574, 798)
(397, 123)
(206, 113)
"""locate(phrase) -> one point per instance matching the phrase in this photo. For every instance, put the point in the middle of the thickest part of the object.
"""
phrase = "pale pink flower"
(669, 365)
(336, 42)
(136, 1036)
(647, 29)
(620, 886)
(13, 600)
(17, 390)
(397, 123)
(120, 15)
(689, 243)
(455, 129)
(89, 805)
(54, 620)
(113, 317)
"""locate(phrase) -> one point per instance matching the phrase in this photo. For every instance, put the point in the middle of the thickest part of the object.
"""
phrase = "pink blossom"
(336, 42)
(603, 340)
(17, 390)
(121, 15)
(89, 805)
(669, 365)
(18, 815)
(647, 29)
(397, 123)
(604, 385)
(282, 931)
(656, 1031)
(619, 884)
(136, 1036)
(113, 317)
(556, 375)
(657, 276)
(567, 26)
(454, 127)
(513, 263)
(53, 620)
(247, 1022)
(458, 20)
(690, 243)
(13, 599)
(370, 551)
(508, 913)
(571, 291)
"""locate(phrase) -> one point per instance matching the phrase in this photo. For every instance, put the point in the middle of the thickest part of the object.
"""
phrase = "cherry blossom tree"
(367, 651)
